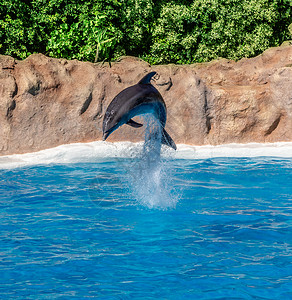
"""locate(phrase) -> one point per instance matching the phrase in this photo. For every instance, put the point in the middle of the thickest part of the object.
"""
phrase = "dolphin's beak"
(105, 135)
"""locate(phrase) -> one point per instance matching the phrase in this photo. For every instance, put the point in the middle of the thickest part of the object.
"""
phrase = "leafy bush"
(160, 32)
(208, 29)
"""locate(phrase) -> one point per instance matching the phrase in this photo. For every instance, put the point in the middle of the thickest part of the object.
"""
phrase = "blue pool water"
(216, 228)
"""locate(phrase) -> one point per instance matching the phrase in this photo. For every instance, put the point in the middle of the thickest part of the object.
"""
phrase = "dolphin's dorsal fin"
(146, 79)
(167, 140)
(134, 124)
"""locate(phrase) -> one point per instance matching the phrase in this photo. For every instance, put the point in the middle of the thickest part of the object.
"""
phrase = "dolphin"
(141, 98)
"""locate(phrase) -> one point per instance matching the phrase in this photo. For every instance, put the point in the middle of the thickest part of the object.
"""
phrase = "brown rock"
(45, 102)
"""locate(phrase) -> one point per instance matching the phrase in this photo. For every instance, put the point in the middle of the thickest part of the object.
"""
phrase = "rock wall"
(45, 102)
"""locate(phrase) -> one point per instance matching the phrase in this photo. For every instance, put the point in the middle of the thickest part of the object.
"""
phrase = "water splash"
(149, 177)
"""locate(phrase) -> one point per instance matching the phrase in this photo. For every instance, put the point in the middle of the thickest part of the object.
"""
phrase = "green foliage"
(208, 29)
(160, 32)
(290, 29)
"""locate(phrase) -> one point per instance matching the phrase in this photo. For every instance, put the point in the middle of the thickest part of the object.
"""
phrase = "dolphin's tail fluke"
(167, 140)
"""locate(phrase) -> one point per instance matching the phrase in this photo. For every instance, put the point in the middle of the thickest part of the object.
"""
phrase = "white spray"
(150, 179)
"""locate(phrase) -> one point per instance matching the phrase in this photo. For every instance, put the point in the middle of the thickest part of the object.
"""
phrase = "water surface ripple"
(80, 231)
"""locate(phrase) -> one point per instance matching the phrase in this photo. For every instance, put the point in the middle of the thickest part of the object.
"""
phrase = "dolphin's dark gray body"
(138, 99)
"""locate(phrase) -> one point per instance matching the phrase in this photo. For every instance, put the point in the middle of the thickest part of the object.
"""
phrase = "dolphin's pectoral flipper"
(167, 140)
(134, 124)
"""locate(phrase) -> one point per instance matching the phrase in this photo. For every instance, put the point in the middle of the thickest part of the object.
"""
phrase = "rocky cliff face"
(45, 102)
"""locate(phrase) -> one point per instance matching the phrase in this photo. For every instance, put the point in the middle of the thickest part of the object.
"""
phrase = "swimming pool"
(208, 228)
